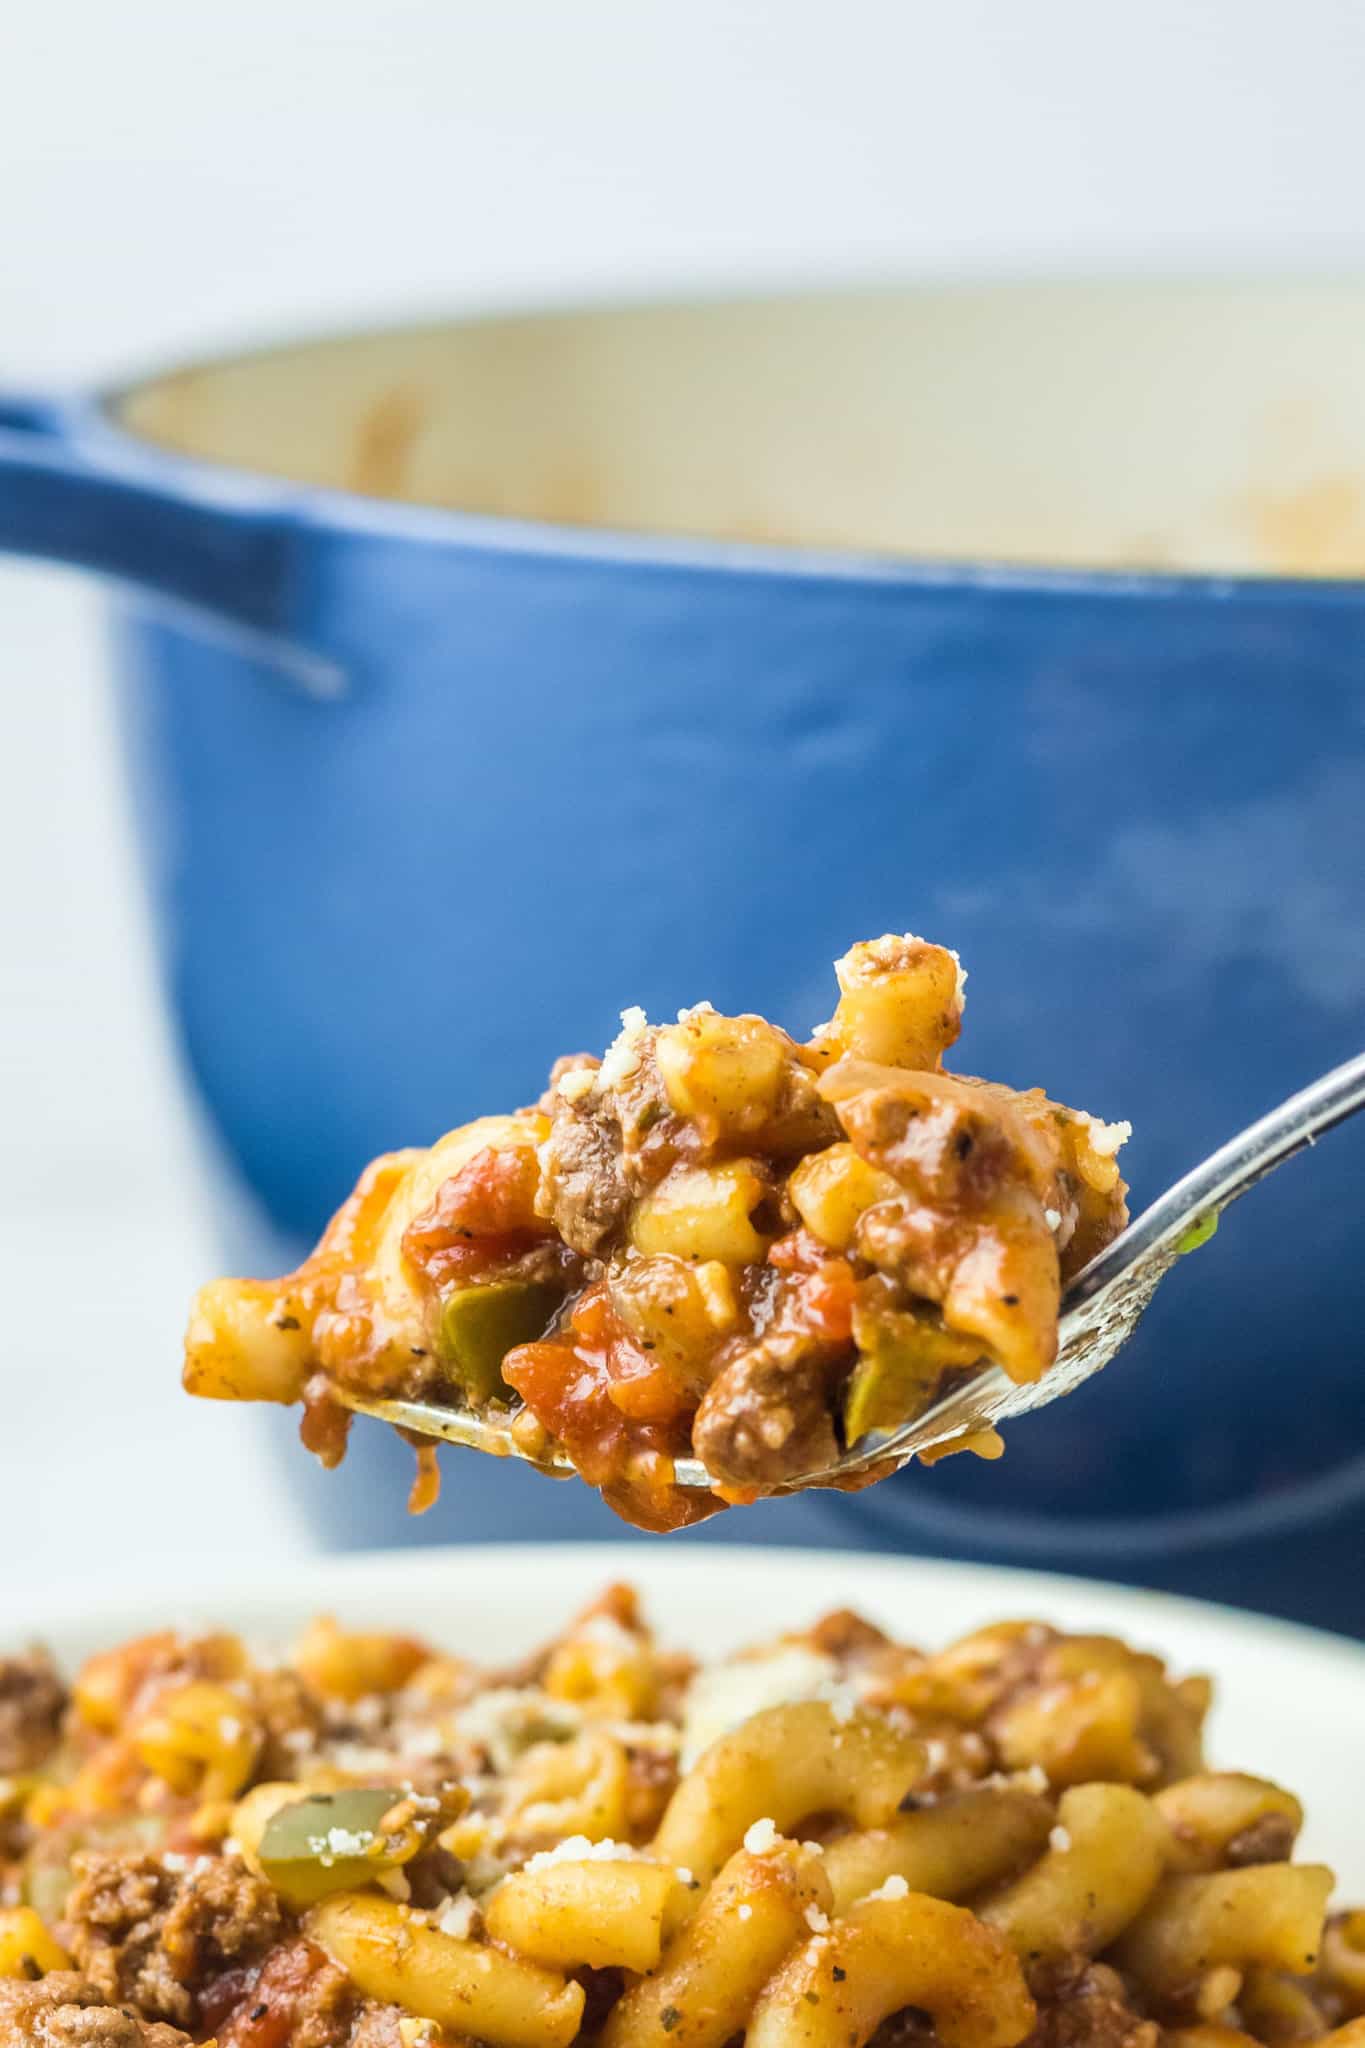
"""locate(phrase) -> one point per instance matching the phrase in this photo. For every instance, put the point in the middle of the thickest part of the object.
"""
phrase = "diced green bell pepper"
(332, 1842)
(480, 1325)
(1200, 1231)
(903, 1359)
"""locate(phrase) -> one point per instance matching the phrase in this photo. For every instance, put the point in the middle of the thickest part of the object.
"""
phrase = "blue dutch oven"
(478, 680)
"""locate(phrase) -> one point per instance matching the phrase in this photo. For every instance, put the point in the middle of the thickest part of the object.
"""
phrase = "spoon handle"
(1207, 1189)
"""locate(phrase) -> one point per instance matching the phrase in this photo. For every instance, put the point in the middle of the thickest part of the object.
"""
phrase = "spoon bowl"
(1100, 1311)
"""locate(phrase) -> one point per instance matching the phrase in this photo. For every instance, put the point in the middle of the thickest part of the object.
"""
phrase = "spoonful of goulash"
(714, 1264)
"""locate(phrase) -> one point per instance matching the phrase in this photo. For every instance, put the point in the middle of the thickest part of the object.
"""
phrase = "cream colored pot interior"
(1176, 427)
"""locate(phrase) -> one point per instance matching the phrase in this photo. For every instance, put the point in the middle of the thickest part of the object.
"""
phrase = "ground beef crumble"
(1084, 2005)
(586, 1195)
(64, 2011)
(148, 1936)
(32, 1702)
(1267, 1840)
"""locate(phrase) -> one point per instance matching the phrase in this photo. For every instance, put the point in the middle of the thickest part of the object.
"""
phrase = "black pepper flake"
(258, 2012)
(669, 2018)
(812, 1997)
(1010, 1300)
(285, 1322)
(838, 1973)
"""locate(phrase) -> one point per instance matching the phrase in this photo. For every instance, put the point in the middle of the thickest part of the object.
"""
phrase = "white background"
(177, 176)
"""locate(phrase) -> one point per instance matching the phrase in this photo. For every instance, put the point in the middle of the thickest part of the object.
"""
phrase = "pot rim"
(90, 417)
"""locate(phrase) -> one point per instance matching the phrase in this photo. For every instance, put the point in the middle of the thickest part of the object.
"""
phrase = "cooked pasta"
(714, 1240)
(373, 1844)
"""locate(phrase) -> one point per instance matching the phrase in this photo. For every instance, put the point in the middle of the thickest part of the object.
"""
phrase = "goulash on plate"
(829, 1840)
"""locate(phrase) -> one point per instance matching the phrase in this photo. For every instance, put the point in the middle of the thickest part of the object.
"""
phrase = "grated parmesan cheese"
(661, 1738)
(607, 1633)
(579, 1849)
(458, 1915)
(762, 1838)
(817, 1921)
(358, 1758)
(723, 1696)
(1059, 1840)
(506, 1720)
(1104, 1138)
(417, 2033)
(336, 1843)
(895, 1887)
(622, 1056)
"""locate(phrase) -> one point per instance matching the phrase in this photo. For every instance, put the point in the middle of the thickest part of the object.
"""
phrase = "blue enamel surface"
(501, 784)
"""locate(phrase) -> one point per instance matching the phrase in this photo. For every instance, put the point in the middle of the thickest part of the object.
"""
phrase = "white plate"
(1291, 1701)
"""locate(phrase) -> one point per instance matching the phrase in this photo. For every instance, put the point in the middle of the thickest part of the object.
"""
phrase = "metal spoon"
(1100, 1309)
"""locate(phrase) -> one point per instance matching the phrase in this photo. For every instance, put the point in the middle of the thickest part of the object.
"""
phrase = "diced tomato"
(645, 1389)
(824, 1288)
(797, 1252)
(827, 1298)
(269, 2009)
(619, 1413)
(568, 1390)
(482, 1217)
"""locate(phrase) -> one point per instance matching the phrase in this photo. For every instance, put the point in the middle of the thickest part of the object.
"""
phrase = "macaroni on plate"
(830, 1840)
(715, 1241)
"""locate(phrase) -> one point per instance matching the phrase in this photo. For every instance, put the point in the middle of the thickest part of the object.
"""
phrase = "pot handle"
(204, 548)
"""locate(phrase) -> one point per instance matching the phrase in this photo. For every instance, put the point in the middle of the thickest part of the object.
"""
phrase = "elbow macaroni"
(605, 1915)
(784, 1765)
(886, 1954)
(1003, 1840)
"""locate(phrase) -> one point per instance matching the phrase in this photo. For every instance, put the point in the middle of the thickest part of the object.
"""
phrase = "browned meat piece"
(63, 2011)
(292, 1717)
(908, 2029)
(583, 1190)
(651, 1781)
(845, 1634)
(767, 1417)
(1268, 1840)
(1082, 2005)
(378, 2028)
(156, 1938)
(32, 1702)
